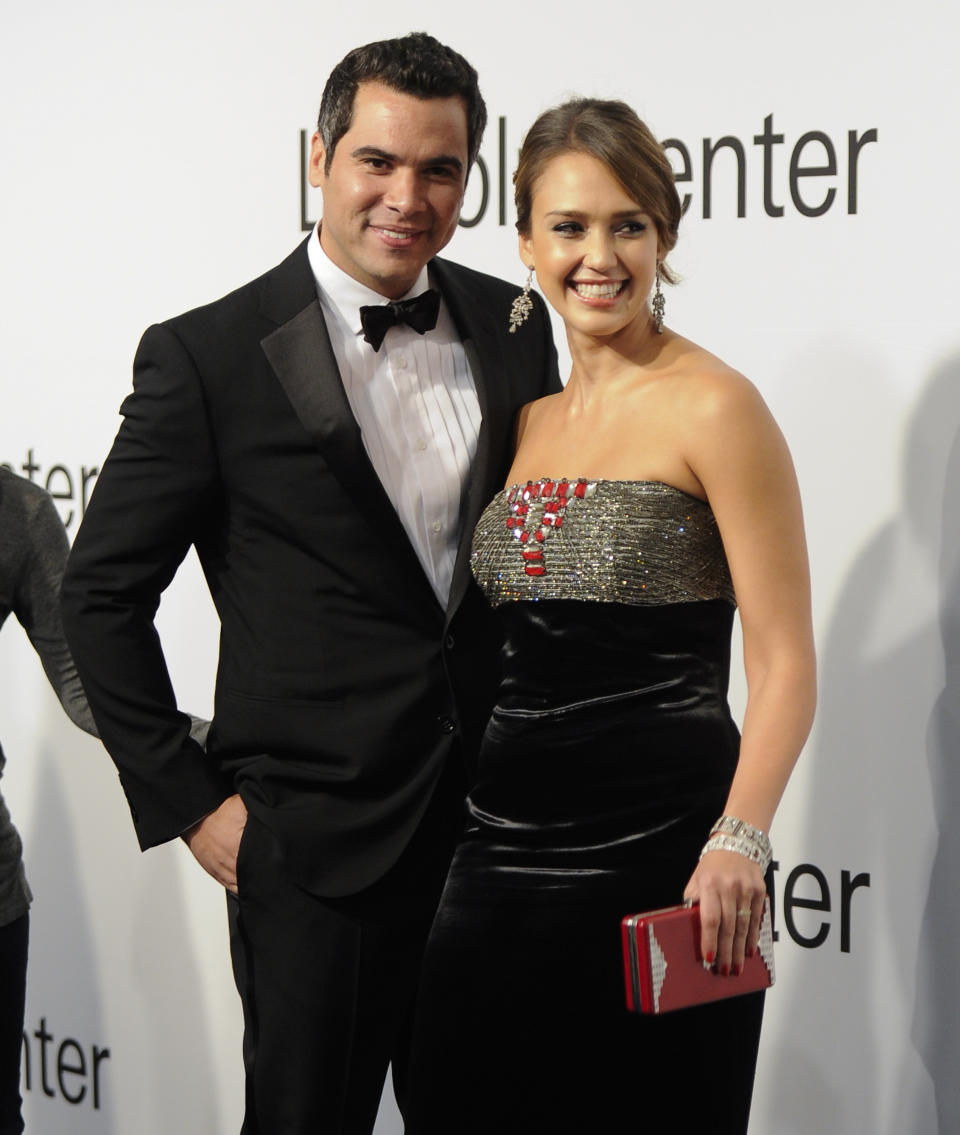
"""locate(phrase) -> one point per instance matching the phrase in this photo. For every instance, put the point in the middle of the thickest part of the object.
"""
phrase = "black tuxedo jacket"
(342, 685)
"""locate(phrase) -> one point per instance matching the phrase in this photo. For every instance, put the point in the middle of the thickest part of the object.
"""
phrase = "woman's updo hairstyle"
(611, 132)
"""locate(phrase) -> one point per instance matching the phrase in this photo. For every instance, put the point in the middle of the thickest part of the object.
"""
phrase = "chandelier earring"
(658, 304)
(522, 306)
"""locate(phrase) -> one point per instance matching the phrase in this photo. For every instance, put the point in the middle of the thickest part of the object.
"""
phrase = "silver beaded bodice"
(634, 542)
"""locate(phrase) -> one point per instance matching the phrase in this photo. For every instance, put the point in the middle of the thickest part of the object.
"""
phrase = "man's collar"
(345, 293)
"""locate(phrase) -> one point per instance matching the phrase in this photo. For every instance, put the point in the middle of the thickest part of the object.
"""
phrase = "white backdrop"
(151, 163)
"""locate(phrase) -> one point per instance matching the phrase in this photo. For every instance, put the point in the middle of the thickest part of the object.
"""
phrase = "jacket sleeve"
(157, 491)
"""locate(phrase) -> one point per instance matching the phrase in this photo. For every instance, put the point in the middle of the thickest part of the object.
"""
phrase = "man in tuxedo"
(328, 463)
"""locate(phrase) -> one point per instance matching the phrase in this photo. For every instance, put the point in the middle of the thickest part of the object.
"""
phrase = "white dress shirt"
(416, 404)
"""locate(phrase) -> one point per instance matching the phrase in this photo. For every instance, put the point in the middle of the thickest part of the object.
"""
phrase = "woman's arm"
(740, 457)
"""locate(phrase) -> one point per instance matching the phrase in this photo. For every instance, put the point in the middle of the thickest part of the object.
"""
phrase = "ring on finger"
(744, 912)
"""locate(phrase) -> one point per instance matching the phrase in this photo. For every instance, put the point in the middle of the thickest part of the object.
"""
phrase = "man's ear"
(318, 158)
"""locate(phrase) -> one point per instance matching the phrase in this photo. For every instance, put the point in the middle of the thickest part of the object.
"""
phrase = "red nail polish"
(725, 971)
(738, 969)
(751, 952)
(710, 956)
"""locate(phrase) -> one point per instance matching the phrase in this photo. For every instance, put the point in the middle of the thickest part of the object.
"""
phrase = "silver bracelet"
(742, 846)
(730, 825)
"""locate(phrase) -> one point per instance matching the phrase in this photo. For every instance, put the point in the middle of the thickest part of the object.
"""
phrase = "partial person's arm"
(740, 457)
(36, 604)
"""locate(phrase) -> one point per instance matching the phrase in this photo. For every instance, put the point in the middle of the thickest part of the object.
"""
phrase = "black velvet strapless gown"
(607, 758)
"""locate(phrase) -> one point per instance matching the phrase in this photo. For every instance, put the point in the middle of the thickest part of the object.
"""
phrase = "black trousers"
(13, 986)
(328, 985)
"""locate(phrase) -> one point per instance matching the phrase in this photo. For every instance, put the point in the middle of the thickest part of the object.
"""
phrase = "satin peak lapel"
(302, 358)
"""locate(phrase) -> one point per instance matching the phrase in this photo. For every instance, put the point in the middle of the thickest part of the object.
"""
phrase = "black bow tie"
(420, 313)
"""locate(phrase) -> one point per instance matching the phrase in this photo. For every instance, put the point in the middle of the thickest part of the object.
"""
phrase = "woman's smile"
(602, 293)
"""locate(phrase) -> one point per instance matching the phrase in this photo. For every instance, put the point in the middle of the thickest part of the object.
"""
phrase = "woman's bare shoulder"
(709, 387)
(530, 413)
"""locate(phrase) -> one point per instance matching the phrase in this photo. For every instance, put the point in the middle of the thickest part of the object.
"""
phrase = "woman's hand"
(730, 890)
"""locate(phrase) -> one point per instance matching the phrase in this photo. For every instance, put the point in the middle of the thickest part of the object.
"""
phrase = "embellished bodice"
(632, 542)
(611, 719)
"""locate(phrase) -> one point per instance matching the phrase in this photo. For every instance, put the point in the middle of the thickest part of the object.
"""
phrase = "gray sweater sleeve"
(36, 596)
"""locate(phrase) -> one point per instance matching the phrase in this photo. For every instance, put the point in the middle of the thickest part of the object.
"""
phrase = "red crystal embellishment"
(554, 496)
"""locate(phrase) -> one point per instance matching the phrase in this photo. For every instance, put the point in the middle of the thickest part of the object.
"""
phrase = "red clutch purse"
(664, 969)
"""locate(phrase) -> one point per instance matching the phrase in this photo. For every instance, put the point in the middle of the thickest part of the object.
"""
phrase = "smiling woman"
(623, 145)
(646, 502)
(608, 251)
(596, 252)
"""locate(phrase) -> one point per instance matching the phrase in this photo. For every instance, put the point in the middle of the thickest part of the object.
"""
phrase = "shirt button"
(402, 361)
(421, 445)
(446, 725)
(437, 526)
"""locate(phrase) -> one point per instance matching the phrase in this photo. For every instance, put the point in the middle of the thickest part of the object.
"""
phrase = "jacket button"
(449, 641)
(446, 725)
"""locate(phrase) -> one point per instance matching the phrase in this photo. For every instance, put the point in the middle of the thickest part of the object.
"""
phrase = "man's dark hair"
(415, 64)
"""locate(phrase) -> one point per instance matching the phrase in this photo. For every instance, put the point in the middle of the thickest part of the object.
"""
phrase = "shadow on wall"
(936, 1018)
(134, 1017)
(844, 1063)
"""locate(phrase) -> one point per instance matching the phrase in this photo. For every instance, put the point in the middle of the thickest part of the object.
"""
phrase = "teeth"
(398, 235)
(598, 291)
